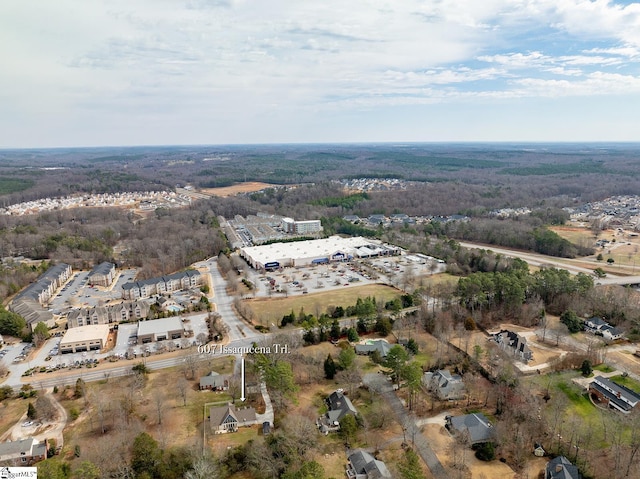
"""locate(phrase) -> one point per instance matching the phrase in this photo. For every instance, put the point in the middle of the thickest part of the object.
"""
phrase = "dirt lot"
(248, 187)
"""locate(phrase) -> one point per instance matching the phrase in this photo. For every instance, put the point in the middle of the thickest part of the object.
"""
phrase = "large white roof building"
(305, 253)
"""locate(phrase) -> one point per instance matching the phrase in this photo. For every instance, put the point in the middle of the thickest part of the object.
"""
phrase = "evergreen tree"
(330, 367)
(31, 411)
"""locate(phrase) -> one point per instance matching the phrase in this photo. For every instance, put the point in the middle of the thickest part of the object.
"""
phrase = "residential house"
(339, 406)
(594, 325)
(474, 428)
(515, 344)
(228, 418)
(362, 465)
(214, 382)
(380, 345)
(618, 397)
(561, 468)
(444, 385)
(612, 334)
(23, 452)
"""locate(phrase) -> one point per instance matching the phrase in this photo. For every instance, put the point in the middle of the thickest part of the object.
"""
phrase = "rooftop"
(162, 325)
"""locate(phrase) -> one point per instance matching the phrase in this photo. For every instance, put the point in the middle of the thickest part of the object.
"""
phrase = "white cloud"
(126, 61)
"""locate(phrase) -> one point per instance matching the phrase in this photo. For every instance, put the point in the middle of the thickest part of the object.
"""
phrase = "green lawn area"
(604, 368)
(579, 399)
(626, 381)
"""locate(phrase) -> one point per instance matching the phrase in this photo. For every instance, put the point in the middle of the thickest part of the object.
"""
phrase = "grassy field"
(271, 310)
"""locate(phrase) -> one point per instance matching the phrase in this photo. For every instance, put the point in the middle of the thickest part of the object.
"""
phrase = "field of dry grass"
(271, 310)
(247, 187)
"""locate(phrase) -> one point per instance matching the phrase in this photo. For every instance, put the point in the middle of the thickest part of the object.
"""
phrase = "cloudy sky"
(133, 72)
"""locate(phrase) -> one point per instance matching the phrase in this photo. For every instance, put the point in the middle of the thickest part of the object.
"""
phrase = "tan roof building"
(85, 338)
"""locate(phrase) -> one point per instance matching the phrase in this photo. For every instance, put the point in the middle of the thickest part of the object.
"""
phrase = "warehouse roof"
(319, 248)
(86, 333)
(162, 325)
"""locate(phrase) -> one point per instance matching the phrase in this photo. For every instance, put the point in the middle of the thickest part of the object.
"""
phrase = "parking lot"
(78, 293)
(392, 270)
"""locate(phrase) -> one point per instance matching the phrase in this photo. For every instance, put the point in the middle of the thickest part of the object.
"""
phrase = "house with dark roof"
(339, 406)
(561, 468)
(444, 385)
(214, 382)
(474, 428)
(514, 344)
(23, 452)
(228, 418)
(599, 327)
(362, 465)
(616, 396)
(369, 347)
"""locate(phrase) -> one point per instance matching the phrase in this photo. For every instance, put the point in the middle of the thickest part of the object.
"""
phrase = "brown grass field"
(271, 310)
(247, 187)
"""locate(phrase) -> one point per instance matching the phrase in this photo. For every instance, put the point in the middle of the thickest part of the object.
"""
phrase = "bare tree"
(159, 402)
(183, 388)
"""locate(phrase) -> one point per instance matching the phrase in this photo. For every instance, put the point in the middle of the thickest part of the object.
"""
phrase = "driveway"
(379, 383)
(41, 431)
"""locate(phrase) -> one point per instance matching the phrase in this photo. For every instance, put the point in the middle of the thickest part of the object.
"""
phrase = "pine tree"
(329, 367)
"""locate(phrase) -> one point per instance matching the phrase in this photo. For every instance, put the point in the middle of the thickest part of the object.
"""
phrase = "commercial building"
(103, 274)
(85, 338)
(165, 284)
(293, 227)
(160, 330)
(320, 251)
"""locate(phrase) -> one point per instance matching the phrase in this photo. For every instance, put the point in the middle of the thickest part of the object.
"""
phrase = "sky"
(168, 72)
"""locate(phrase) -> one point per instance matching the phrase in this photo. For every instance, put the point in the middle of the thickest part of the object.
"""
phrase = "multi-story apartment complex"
(165, 284)
(126, 311)
(291, 226)
(103, 274)
(29, 303)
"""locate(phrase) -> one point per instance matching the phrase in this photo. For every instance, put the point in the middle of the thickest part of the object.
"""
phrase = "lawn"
(579, 400)
(604, 368)
(11, 410)
(626, 381)
(271, 310)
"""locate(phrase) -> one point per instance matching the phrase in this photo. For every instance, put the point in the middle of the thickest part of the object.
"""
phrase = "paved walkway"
(413, 433)
(268, 412)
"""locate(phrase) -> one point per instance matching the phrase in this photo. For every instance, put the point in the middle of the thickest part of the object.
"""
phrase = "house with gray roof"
(362, 465)
(380, 345)
(23, 452)
(616, 396)
(514, 344)
(228, 418)
(214, 382)
(444, 385)
(339, 406)
(561, 468)
(474, 428)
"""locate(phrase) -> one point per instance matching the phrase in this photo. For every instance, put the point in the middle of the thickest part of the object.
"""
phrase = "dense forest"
(502, 174)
